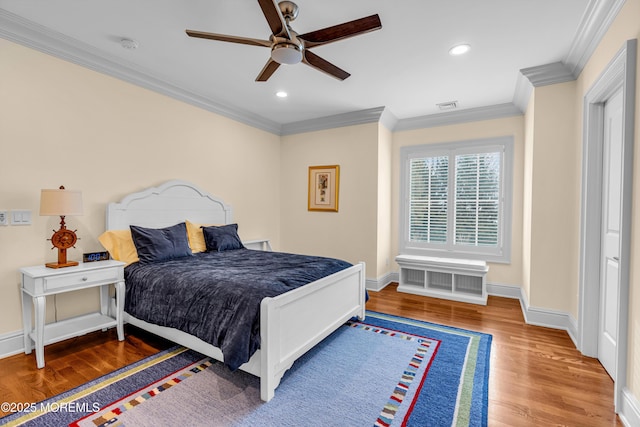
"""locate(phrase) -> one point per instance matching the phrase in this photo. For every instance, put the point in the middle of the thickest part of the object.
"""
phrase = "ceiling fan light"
(286, 53)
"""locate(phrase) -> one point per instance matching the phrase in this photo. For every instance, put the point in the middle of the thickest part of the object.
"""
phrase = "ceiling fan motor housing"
(287, 51)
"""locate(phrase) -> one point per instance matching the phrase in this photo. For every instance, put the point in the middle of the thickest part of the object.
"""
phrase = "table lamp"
(61, 202)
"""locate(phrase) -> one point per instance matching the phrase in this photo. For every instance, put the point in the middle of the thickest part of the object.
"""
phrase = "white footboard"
(292, 323)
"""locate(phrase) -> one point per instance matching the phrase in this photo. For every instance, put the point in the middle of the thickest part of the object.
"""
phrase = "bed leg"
(363, 291)
(266, 391)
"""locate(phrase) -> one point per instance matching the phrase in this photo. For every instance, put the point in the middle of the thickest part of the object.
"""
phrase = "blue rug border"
(480, 400)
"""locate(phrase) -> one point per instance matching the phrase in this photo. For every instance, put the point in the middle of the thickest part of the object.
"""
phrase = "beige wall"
(527, 199)
(63, 124)
(625, 27)
(385, 155)
(554, 191)
(507, 274)
(350, 233)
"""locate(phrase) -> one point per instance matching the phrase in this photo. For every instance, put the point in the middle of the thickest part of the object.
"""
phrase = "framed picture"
(324, 183)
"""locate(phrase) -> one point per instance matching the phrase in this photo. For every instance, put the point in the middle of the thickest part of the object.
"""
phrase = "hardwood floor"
(537, 377)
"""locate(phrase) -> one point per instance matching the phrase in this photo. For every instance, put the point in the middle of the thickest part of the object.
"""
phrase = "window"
(456, 199)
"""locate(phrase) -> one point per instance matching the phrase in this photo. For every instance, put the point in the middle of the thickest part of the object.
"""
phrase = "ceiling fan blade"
(323, 65)
(226, 38)
(270, 67)
(276, 21)
(341, 31)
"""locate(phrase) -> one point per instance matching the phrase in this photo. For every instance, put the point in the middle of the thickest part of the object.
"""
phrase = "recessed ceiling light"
(459, 49)
(282, 94)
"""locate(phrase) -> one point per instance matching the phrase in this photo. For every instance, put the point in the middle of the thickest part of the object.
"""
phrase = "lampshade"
(60, 202)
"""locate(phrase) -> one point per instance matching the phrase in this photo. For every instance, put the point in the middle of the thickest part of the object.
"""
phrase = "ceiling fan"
(289, 47)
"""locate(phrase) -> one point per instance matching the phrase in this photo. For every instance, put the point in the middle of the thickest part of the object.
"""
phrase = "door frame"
(620, 73)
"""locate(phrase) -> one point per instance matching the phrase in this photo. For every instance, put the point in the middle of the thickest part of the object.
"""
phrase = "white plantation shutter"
(477, 199)
(455, 199)
(429, 199)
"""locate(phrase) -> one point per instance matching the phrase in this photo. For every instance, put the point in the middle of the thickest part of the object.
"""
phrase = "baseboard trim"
(534, 315)
(11, 344)
(380, 283)
(504, 291)
(629, 410)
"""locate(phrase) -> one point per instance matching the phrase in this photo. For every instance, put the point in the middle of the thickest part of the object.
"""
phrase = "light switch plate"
(4, 218)
(20, 217)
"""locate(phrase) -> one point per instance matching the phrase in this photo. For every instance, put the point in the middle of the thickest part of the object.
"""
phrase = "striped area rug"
(384, 371)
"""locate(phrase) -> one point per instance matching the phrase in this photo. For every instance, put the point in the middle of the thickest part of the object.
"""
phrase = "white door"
(610, 244)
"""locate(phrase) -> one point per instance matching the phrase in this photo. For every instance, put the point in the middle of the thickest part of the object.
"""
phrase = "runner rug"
(383, 371)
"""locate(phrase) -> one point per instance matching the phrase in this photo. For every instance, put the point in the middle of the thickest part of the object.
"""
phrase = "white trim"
(380, 283)
(504, 291)
(11, 343)
(548, 74)
(594, 25)
(535, 315)
(523, 92)
(550, 319)
(455, 117)
(620, 73)
(629, 409)
(599, 15)
(371, 115)
(388, 119)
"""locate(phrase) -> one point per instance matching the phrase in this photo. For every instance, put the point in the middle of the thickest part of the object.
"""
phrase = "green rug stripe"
(463, 405)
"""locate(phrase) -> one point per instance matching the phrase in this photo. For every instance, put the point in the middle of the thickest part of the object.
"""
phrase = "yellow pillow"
(196, 238)
(120, 245)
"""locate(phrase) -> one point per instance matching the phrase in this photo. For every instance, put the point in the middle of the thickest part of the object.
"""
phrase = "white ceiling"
(404, 67)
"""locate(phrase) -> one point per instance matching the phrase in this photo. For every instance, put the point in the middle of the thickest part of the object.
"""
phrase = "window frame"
(502, 252)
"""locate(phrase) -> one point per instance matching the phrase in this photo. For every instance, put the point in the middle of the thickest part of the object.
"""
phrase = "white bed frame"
(290, 324)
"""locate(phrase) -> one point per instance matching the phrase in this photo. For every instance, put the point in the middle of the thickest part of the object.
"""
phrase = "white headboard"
(168, 204)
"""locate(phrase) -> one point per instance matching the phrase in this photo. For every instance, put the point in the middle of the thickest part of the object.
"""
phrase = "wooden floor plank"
(537, 377)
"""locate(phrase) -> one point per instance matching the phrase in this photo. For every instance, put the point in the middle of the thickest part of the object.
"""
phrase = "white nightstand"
(40, 281)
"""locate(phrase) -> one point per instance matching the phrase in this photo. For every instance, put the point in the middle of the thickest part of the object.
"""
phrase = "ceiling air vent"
(451, 105)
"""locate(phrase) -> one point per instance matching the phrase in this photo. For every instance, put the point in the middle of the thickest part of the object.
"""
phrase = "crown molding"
(371, 115)
(32, 35)
(454, 117)
(542, 75)
(522, 93)
(595, 23)
(388, 119)
(548, 74)
(593, 26)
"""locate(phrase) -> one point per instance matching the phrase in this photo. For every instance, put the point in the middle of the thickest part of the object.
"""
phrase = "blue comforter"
(216, 295)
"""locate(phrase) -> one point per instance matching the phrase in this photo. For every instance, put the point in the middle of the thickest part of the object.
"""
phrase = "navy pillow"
(222, 238)
(160, 244)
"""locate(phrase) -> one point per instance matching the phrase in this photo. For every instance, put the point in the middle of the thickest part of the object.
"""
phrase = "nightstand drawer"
(75, 280)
